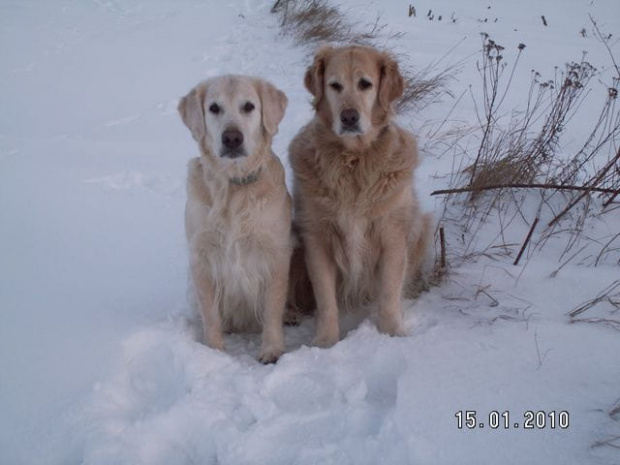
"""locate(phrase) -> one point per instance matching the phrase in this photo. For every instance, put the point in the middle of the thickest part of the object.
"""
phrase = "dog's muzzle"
(232, 142)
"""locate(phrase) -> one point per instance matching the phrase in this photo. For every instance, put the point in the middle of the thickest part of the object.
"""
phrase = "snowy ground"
(98, 362)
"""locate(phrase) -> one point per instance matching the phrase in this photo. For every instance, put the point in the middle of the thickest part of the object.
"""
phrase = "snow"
(100, 361)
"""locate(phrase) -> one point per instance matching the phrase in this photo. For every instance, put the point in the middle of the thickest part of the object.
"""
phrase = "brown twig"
(442, 242)
(525, 186)
(527, 240)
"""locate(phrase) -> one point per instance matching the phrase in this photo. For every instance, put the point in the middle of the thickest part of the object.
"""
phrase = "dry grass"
(513, 154)
(424, 88)
(521, 151)
(606, 305)
(611, 440)
(313, 21)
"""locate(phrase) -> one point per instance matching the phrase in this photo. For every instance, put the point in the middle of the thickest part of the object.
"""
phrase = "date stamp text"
(530, 419)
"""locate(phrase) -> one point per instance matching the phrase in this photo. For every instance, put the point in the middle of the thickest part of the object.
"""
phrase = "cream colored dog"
(363, 233)
(238, 212)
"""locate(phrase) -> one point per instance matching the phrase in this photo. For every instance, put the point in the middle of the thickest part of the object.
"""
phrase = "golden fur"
(364, 237)
(238, 212)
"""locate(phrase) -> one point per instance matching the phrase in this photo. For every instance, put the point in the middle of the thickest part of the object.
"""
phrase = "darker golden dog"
(364, 236)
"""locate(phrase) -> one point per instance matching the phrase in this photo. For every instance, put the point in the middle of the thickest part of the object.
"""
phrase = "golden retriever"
(363, 233)
(238, 211)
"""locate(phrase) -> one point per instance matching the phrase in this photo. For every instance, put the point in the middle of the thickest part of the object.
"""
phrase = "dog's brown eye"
(248, 107)
(336, 86)
(214, 108)
(364, 84)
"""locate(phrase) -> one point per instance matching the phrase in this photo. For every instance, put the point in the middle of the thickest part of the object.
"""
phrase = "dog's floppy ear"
(273, 104)
(192, 112)
(392, 84)
(314, 79)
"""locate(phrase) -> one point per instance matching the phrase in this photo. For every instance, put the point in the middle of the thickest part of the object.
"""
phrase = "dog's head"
(354, 88)
(233, 117)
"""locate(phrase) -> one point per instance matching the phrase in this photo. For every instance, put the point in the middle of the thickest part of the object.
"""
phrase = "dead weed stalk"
(512, 159)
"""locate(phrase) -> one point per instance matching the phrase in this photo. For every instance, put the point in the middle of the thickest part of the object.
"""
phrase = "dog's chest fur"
(361, 180)
(354, 192)
(228, 230)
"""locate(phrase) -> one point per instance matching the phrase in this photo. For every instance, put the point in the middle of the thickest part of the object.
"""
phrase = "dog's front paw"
(392, 328)
(215, 341)
(327, 333)
(325, 340)
(269, 355)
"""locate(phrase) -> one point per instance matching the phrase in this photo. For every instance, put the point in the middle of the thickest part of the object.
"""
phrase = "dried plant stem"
(597, 180)
(611, 199)
(586, 189)
(602, 296)
(527, 240)
(442, 242)
(605, 42)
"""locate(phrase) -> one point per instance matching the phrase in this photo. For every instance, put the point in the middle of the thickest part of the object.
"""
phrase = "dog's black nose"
(349, 117)
(232, 138)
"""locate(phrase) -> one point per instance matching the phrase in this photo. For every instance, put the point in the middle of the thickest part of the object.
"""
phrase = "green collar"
(249, 179)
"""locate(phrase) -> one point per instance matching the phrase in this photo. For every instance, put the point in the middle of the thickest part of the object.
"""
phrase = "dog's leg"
(392, 266)
(322, 271)
(209, 309)
(273, 314)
